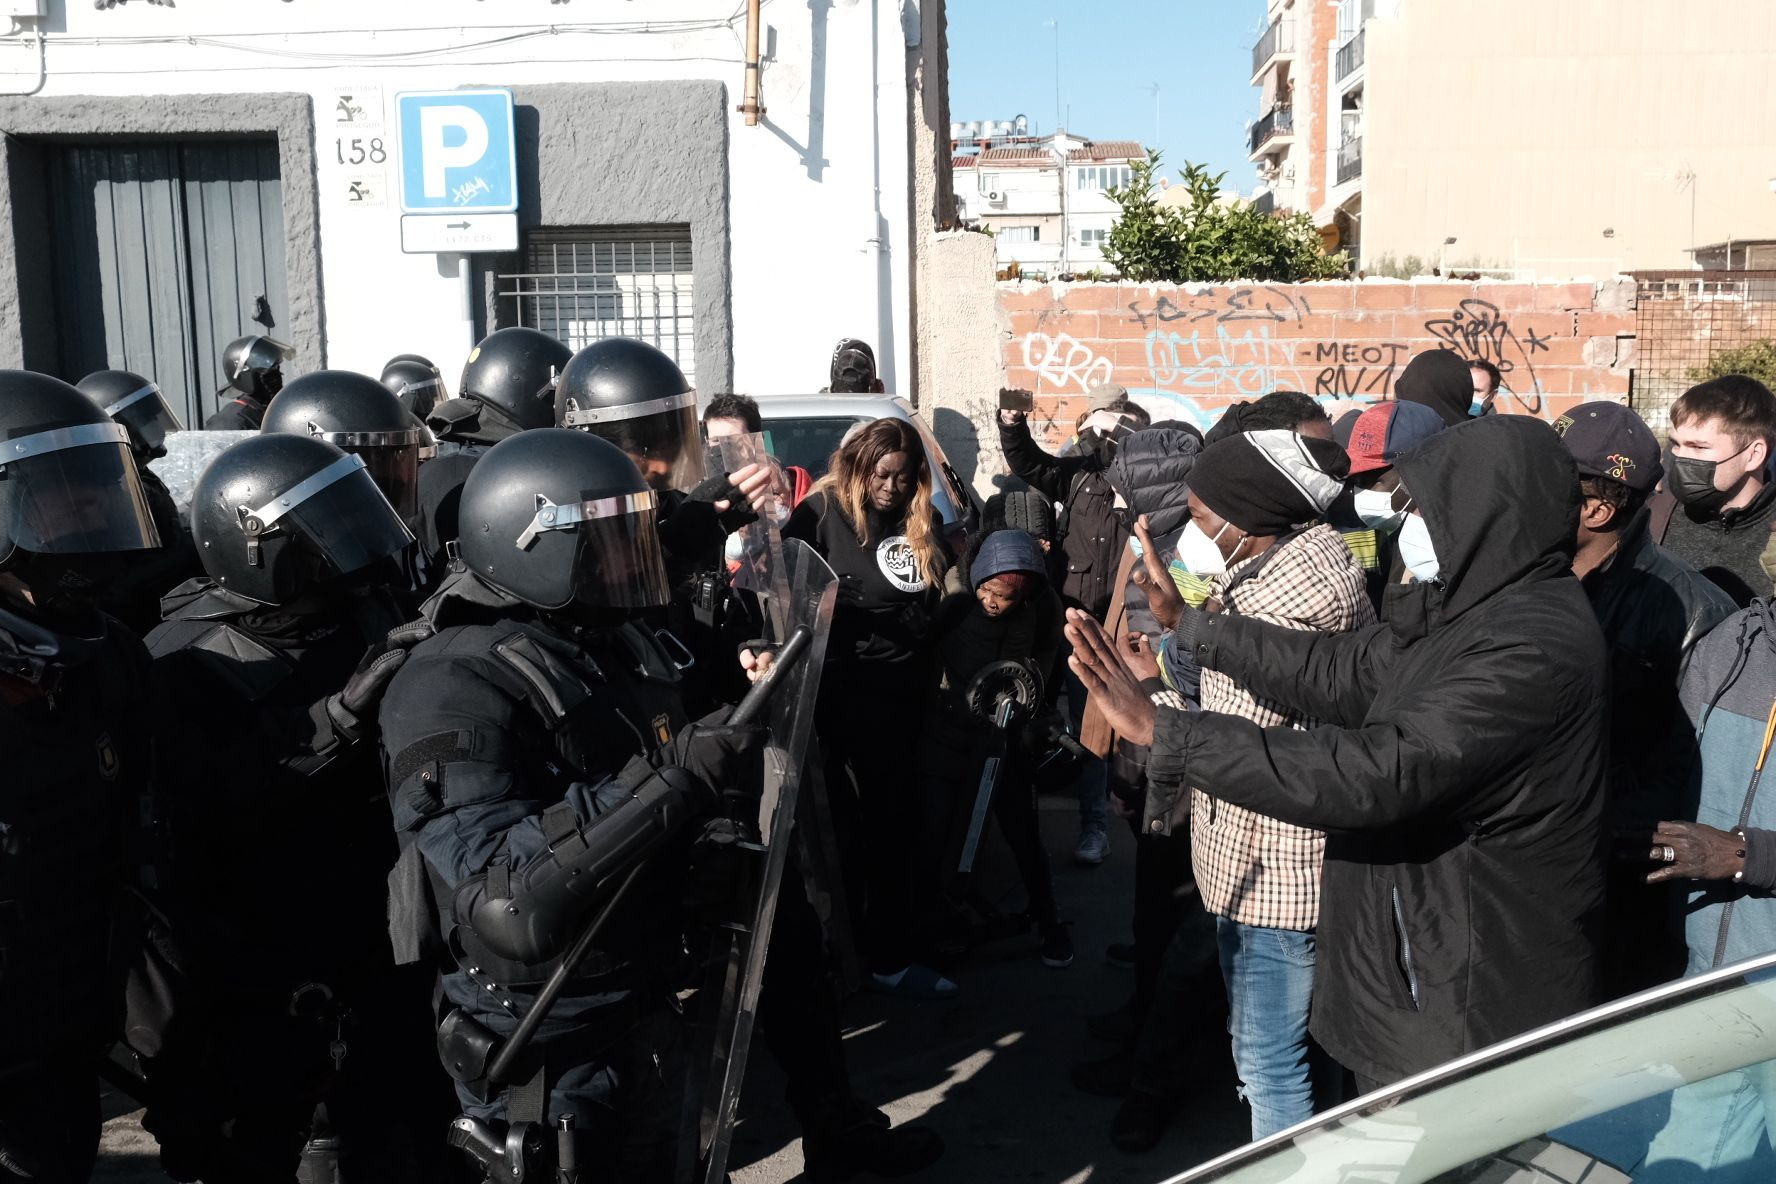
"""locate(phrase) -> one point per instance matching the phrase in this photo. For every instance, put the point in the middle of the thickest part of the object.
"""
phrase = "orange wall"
(1189, 353)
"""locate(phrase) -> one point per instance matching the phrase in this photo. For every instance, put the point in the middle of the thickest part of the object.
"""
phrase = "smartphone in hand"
(1011, 399)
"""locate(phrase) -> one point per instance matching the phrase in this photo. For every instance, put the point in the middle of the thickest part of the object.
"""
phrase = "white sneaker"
(1093, 846)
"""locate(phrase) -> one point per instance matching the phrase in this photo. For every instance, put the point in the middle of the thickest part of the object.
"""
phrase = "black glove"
(723, 757)
(376, 670)
(720, 489)
(724, 861)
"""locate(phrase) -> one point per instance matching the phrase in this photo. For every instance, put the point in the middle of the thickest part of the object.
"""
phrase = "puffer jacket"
(1151, 473)
(1460, 774)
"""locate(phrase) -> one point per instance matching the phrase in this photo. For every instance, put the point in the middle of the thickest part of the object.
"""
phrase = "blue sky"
(1002, 64)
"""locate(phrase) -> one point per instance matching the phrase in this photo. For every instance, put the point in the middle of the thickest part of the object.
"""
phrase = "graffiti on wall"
(1204, 349)
(1477, 330)
(1224, 305)
(1064, 364)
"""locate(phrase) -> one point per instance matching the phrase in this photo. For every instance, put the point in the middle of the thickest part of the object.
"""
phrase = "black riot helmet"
(507, 387)
(356, 413)
(68, 482)
(558, 519)
(135, 403)
(254, 365)
(275, 515)
(637, 398)
(415, 382)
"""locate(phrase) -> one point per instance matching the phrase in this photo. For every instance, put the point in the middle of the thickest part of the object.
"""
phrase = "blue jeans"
(1094, 795)
(1269, 975)
(1720, 1129)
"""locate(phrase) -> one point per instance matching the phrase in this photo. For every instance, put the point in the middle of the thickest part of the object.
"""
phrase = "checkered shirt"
(1250, 868)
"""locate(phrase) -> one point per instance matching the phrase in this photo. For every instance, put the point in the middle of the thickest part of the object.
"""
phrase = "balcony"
(1350, 57)
(1280, 123)
(1350, 159)
(1279, 39)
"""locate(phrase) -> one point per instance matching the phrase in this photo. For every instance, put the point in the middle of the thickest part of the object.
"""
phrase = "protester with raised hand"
(1255, 499)
(1460, 768)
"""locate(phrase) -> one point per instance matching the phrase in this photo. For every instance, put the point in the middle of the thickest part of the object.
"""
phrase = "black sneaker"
(1141, 1121)
(1121, 953)
(1057, 946)
(1108, 1078)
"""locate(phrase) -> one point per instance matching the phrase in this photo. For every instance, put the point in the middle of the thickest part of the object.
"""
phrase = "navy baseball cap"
(1610, 440)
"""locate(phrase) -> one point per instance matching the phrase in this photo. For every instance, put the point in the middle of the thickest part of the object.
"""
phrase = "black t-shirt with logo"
(885, 604)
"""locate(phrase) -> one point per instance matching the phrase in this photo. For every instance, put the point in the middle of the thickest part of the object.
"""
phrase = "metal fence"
(1683, 321)
(1350, 57)
(1279, 122)
(584, 284)
(1278, 38)
(1350, 159)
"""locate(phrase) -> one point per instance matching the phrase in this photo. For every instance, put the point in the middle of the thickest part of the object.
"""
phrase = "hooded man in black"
(1442, 381)
(1460, 772)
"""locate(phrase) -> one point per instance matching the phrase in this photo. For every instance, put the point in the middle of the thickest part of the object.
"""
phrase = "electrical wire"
(234, 42)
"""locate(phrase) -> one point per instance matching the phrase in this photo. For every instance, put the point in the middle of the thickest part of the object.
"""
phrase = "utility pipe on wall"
(750, 104)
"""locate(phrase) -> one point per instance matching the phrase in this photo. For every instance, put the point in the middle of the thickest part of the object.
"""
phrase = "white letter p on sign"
(437, 158)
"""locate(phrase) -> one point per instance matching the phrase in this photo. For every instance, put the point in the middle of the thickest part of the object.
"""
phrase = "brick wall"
(1189, 353)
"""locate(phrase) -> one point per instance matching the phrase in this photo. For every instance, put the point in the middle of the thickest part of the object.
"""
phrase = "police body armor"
(592, 704)
(75, 732)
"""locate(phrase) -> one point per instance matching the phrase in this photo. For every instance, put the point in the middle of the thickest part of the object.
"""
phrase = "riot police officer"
(271, 795)
(133, 597)
(537, 756)
(252, 368)
(632, 394)
(636, 397)
(417, 383)
(508, 386)
(75, 728)
(356, 413)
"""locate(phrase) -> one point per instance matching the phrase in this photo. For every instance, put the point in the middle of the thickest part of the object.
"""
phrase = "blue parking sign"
(457, 152)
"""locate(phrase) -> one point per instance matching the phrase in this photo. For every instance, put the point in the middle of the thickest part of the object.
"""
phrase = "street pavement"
(987, 1070)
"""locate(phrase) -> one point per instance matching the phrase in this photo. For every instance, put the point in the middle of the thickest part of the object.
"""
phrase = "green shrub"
(1208, 240)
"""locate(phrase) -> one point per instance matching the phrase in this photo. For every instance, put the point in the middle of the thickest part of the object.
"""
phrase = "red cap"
(1368, 442)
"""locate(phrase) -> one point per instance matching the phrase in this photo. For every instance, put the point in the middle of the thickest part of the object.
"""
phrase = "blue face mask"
(1416, 551)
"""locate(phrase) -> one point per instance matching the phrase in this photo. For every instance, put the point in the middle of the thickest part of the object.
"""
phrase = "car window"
(1673, 1087)
(808, 442)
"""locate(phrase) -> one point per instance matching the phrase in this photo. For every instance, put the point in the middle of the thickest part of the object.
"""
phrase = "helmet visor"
(396, 473)
(662, 437)
(146, 414)
(74, 491)
(619, 562)
(342, 514)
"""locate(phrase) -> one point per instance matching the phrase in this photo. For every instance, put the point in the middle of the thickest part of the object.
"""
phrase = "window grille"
(584, 284)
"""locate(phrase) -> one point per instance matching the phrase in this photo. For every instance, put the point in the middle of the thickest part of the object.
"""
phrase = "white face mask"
(1376, 509)
(1198, 552)
(1416, 551)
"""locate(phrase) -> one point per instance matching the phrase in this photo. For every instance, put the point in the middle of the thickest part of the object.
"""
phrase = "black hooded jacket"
(1151, 471)
(1088, 535)
(1460, 774)
(1441, 380)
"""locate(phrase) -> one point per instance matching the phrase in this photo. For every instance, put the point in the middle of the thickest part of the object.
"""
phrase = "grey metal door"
(164, 251)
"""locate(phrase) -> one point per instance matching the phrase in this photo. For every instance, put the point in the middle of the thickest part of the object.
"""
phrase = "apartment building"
(1517, 137)
(1289, 68)
(1044, 198)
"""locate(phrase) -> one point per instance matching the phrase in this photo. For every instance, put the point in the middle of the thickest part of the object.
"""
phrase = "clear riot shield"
(800, 591)
(752, 553)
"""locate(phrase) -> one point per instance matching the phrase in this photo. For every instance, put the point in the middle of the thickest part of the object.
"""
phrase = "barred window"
(582, 284)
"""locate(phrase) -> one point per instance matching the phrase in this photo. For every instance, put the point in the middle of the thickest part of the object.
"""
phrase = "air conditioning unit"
(995, 198)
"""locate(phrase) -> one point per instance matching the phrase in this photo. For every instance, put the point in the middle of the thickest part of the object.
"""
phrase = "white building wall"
(819, 191)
